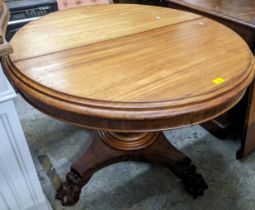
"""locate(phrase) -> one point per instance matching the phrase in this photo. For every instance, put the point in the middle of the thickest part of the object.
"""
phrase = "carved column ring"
(127, 141)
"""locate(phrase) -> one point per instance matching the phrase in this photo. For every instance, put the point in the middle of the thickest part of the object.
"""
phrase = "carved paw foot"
(194, 183)
(70, 190)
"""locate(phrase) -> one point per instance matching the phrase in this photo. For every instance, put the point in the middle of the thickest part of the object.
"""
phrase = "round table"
(129, 72)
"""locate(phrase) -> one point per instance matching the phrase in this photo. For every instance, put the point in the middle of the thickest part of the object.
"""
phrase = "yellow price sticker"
(218, 80)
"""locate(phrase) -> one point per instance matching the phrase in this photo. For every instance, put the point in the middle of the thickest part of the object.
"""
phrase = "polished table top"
(242, 11)
(117, 67)
(239, 15)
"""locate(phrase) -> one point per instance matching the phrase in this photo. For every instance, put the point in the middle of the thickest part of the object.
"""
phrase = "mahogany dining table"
(129, 72)
(239, 15)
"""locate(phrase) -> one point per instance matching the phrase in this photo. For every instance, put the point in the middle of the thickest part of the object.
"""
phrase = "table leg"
(108, 148)
(248, 134)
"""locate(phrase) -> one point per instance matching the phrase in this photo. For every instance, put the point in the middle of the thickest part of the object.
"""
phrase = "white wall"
(20, 188)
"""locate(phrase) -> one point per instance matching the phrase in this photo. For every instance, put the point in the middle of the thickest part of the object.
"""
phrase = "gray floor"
(139, 186)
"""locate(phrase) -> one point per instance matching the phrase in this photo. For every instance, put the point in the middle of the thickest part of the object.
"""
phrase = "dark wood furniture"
(239, 15)
(99, 67)
(5, 48)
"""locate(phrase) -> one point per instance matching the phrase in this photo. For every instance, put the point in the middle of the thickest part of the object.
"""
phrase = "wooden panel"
(5, 48)
(249, 129)
(118, 79)
(239, 10)
(91, 24)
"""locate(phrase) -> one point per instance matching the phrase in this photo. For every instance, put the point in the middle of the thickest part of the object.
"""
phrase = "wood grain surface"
(129, 67)
(238, 15)
(5, 48)
(239, 10)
